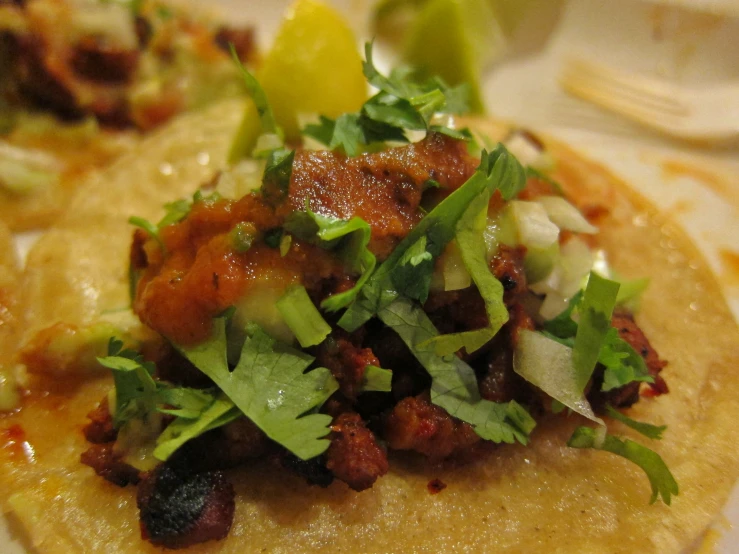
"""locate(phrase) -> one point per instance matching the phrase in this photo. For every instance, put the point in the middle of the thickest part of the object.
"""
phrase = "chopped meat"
(507, 266)
(346, 361)
(498, 382)
(354, 455)
(41, 86)
(627, 395)
(383, 188)
(243, 41)
(409, 376)
(109, 465)
(100, 429)
(416, 424)
(314, 471)
(222, 448)
(179, 509)
(456, 311)
(98, 61)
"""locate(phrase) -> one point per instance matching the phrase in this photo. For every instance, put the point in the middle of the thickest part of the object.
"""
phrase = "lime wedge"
(313, 67)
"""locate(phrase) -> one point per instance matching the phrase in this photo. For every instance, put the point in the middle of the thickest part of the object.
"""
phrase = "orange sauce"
(672, 169)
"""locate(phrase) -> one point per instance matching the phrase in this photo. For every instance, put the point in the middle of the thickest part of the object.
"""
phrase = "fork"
(706, 114)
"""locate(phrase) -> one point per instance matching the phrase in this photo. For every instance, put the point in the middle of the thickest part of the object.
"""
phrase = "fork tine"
(639, 89)
(627, 107)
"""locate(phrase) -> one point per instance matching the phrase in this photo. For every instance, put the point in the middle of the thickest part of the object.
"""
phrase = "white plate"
(699, 189)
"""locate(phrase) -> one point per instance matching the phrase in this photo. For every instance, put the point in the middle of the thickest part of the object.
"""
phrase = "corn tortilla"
(544, 497)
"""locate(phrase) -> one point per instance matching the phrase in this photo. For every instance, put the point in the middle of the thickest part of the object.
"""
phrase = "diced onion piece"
(535, 230)
(547, 364)
(241, 179)
(267, 142)
(527, 152)
(576, 262)
(600, 264)
(109, 20)
(456, 276)
(553, 305)
(566, 216)
(500, 229)
(539, 262)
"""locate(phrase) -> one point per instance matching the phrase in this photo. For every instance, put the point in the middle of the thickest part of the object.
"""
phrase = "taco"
(441, 399)
(82, 80)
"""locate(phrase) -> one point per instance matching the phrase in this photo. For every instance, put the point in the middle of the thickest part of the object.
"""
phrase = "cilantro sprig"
(402, 104)
(662, 481)
(270, 387)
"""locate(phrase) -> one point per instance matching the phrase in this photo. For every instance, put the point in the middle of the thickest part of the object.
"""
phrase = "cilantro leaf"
(217, 412)
(596, 309)
(266, 115)
(622, 363)
(377, 379)
(135, 388)
(498, 170)
(646, 429)
(350, 236)
(661, 480)
(402, 104)
(563, 326)
(188, 403)
(277, 173)
(471, 244)
(453, 383)
(270, 387)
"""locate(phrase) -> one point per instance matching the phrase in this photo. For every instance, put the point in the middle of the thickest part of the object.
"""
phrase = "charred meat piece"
(416, 424)
(314, 471)
(109, 465)
(627, 395)
(346, 361)
(97, 61)
(179, 508)
(507, 266)
(100, 429)
(354, 455)
(41, 86)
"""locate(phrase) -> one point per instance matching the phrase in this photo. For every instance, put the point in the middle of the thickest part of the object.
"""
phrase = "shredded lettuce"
(453, 382)
(301, 315)
(472, 247)
(660, 478)
(377, 379)
(270, 387)
(412, 272)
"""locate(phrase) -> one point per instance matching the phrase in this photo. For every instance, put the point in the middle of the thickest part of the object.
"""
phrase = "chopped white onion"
(576, 261)
(112, 21)
(565, 215)
(547, 364)
(535, 230)
(241, 179)
(527, 152)
(456, 276)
